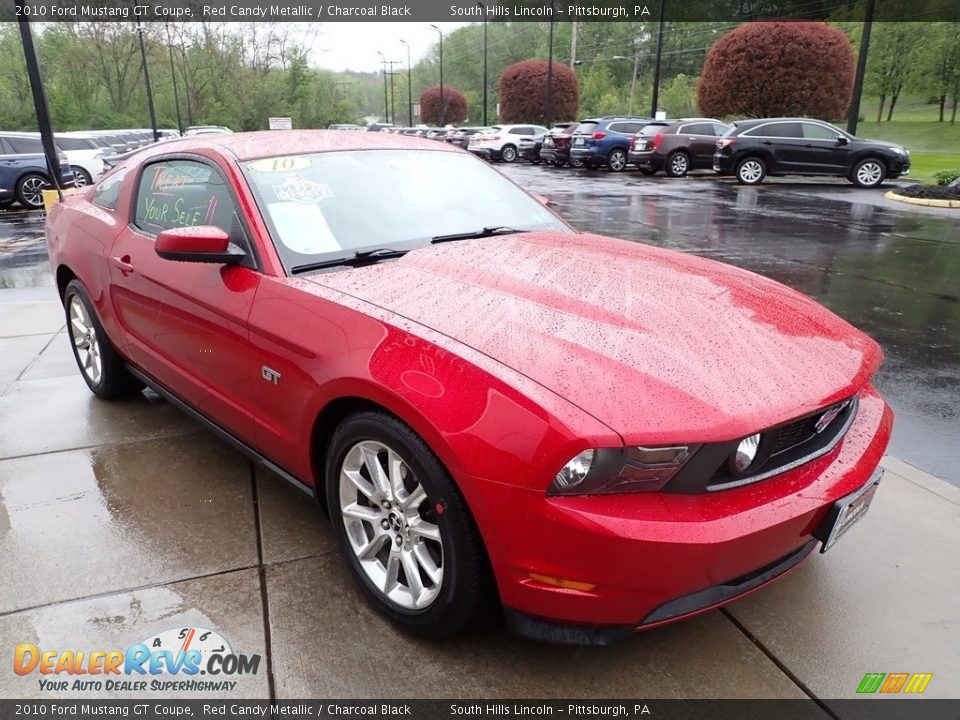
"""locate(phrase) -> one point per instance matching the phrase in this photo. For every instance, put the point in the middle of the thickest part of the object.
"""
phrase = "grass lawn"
(933, 145)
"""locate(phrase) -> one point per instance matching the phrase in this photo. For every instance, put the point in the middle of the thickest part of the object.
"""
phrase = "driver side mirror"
(842, 140)
(201, 243)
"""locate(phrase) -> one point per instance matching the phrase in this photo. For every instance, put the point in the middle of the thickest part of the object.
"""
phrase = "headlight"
(744, 455)
(621, 470)
(575, 471)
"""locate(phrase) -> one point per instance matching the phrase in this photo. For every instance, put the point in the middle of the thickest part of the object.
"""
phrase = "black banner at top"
(311, 11)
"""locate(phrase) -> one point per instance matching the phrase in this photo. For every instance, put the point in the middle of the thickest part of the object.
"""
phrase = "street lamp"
(409, 87)
(386, 108)
(146, 80)
(656, 69)
(548, 115)
(483, 9)
(443, 107)
(173, 74)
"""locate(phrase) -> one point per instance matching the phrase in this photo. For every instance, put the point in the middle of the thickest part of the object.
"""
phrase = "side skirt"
(224, 434)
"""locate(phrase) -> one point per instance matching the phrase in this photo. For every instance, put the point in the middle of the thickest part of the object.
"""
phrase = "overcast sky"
(354, 45)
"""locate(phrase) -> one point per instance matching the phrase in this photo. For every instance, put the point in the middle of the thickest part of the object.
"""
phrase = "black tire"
(111, 379)
(81, 178)
(617, 160)
(678, 164)
(868, 173)
(30, 190)
(463, 590)
(508, 153)
(751, 171)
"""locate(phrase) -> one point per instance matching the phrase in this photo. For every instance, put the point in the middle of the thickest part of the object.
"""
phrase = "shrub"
(454, 110)
(770, 69)
(523, 92)
(945, 177)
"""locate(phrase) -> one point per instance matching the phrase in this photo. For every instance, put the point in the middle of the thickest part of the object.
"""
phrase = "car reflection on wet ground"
(889, 269)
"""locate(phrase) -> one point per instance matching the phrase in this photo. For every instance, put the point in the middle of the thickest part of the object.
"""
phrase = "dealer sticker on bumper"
(846, 511)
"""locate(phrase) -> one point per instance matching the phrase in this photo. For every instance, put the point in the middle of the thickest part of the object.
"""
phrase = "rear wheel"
(868, 173)
(508, 154)
(101, 367)
(678, 164)
(30, 190)
(403, 527)
(751, 171)
(617, 160)
(81, 178)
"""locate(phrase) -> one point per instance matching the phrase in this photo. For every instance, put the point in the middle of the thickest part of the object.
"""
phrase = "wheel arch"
(63, 277)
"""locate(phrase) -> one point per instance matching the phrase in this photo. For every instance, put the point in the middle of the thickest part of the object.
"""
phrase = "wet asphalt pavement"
(892, 270)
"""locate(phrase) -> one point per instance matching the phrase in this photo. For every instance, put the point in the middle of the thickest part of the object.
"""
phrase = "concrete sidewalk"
(122, 520)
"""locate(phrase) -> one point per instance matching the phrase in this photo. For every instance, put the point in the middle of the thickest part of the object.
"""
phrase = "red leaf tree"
(454, 108)
(770, 69)
(523, 92)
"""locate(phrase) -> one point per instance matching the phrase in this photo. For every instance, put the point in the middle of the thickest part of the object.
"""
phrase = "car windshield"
(333, 204)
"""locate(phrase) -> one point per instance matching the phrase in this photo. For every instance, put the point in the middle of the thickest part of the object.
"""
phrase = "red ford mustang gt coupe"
(605, 435)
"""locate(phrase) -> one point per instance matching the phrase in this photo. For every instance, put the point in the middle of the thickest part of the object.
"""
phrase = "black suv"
(605, 141)
(753, 149)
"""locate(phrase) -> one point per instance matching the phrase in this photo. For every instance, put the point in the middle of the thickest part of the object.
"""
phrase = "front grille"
(792, 444)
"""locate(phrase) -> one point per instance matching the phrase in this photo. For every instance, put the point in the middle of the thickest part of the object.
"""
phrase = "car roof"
(753, 122)
(268, 143)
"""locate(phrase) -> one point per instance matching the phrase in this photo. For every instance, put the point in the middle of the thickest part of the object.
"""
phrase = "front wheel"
(751, 171)
(405, 530)
(868, 173)
(508, 154)
(101, 367)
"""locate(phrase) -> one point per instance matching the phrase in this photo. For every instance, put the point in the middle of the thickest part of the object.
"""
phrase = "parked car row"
(749, 150)
(83, 157)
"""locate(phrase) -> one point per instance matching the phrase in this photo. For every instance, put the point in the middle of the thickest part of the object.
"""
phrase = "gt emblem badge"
(270, 375)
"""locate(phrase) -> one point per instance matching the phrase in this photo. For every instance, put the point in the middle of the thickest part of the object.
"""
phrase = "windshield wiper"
(485, 232)
(361, 257)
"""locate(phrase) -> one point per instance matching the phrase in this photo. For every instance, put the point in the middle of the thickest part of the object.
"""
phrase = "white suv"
(84, 154)
(500, 142)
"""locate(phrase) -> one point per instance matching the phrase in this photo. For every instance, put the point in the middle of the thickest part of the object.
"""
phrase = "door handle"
(123, 263)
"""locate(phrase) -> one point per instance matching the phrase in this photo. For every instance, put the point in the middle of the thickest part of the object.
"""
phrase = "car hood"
(660, 346)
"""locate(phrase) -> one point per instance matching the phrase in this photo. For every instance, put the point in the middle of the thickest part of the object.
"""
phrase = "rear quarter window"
(107, 192)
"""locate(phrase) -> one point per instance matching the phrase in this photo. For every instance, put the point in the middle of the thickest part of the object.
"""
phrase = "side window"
(696, 129)
(26, 146)
(182, 193)
(616, 127)
(812, 131)
(108, 190)
(4, 147)
(720, 129)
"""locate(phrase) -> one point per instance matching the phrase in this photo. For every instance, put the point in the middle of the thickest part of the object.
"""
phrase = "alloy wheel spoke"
(426, 562)
(392, 574)
(395, 469)
(373, 546)
(412, 573)
(426, 530)
(362, 512)
(381, 482)
(413, 500)
(360, 482)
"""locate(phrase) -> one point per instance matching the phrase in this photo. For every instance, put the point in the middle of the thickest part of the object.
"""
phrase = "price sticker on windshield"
(289, 163)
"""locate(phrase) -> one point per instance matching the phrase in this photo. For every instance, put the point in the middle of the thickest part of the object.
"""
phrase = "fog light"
(574, 472)
(745, 454)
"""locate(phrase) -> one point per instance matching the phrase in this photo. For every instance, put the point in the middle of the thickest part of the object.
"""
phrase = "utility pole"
(573, 44)
(393, 114)
(173, 74)
(486, 82)
(383, 71)
(186, 86)
(443, 105)
(853, 117)
(656, 69)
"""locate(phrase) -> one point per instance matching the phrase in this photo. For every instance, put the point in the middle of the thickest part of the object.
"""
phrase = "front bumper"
(644, 559)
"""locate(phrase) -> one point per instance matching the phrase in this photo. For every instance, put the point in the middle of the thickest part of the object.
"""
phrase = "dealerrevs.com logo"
(182, 653)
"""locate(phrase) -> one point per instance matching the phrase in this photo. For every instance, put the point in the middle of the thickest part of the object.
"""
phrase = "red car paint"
(508, 355)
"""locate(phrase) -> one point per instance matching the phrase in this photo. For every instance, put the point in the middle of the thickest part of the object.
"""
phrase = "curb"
(891, 195)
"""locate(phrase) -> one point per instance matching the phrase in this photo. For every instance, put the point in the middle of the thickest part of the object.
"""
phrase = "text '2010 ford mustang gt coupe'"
(605, 435)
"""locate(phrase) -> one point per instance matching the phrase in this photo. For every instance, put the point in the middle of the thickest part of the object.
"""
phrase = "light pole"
(854, 112)
(409, 87)
(483, 9)
(443, 106)
(186, 84)
(173, 74)
(146, 81)
(386, 107)
(548, 115)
